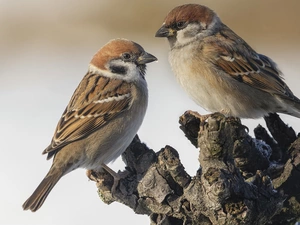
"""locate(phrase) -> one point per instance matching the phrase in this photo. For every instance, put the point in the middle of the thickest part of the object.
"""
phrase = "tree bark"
(242, 180)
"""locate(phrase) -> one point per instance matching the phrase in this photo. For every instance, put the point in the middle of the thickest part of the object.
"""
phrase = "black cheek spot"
(118, 69)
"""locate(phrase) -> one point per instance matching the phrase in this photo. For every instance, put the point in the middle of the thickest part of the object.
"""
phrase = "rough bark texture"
(242, 180)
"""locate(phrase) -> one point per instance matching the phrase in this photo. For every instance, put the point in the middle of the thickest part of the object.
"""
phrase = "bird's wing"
(94, 103)
(245, 65)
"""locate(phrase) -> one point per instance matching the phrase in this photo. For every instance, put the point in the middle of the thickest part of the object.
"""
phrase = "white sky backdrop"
(45, 47)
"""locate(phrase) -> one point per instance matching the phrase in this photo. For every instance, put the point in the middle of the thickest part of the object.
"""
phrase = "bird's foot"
(91, 174)
(99, 178)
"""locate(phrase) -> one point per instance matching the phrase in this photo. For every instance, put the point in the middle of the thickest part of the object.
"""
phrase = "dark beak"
(164, 32)
(146, 58)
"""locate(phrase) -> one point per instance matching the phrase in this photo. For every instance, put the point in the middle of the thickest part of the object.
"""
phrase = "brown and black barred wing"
(94, 103)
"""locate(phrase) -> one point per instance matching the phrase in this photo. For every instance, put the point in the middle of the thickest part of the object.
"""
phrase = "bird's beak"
(146, 58)
(164, 32)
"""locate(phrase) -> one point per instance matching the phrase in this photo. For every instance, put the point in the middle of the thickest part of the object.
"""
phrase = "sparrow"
(102, 117)
(219, 70)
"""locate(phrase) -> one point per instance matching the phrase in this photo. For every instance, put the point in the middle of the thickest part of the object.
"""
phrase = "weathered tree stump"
(242, 180)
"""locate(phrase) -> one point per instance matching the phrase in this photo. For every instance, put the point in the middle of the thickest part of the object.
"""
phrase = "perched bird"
(102, 117)
(219, 70)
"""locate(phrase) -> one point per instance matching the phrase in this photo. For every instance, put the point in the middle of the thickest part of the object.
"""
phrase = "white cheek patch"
(181, 39)
(96, 70)
(196, 32)
(188, 34)
(131, 75)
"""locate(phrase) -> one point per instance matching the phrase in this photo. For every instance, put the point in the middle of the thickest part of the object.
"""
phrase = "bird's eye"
(180, 24)
(126, 56)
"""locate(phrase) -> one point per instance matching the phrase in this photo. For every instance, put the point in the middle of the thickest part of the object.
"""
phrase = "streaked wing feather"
(257, 70)
(96, 100)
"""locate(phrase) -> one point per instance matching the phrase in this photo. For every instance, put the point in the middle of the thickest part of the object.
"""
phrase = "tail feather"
(297, 109)
(36, 200)
(291, 107)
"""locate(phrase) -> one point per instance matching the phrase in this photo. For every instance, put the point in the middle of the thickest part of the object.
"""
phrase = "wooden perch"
(242, 180)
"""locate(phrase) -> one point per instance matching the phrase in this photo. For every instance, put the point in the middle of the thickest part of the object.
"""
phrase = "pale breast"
(192, 74)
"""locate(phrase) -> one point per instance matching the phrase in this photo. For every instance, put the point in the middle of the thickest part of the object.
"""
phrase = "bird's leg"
(232, 118)
(117, 177)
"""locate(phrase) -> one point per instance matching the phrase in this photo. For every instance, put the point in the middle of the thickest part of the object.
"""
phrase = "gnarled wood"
(242, 180)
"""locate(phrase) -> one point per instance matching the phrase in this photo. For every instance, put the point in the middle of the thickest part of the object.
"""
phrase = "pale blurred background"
(45, 47)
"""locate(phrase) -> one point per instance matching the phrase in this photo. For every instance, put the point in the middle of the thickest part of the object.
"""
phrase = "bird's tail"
(36, 200)
(291, 107)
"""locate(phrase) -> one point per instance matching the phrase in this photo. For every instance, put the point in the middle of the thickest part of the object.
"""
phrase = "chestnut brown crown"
(116, 48)
(189, 13)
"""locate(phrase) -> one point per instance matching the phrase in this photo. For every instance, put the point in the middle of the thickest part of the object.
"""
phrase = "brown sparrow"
(102, 117)
(219, 70)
